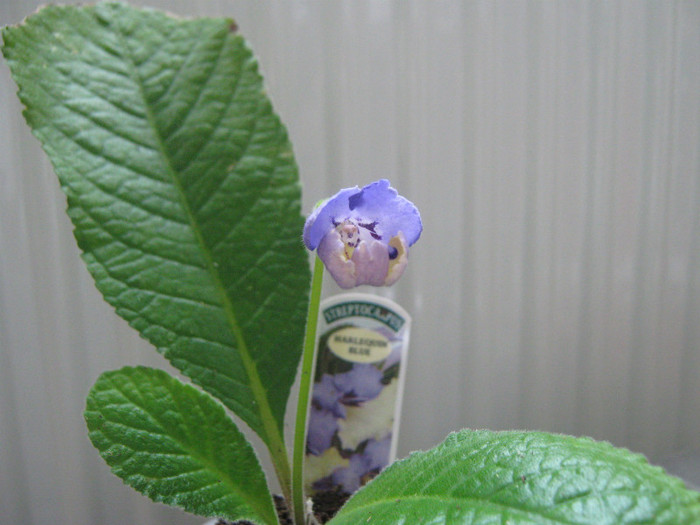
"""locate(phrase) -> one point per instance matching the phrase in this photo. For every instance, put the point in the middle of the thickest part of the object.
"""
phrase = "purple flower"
(363, 235)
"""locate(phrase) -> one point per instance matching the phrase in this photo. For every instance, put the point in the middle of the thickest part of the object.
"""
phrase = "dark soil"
(326, 504)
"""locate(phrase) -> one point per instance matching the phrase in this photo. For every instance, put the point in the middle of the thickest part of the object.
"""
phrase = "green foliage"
(182, 187)
(479, 477)
(176, 444)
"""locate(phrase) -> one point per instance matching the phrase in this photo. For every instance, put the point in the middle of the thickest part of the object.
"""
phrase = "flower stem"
(307, 365)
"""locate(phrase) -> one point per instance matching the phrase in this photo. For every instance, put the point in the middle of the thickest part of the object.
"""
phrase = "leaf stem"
(307, 366)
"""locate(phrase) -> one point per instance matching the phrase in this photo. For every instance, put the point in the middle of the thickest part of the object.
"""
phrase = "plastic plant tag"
(358, 385)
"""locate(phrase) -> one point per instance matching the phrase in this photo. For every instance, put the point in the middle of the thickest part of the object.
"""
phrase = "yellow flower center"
(349, 235)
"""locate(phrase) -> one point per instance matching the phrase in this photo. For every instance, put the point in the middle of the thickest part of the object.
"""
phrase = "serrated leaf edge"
(166, 380)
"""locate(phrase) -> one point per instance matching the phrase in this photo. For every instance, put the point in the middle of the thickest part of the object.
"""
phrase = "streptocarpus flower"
(363, 235)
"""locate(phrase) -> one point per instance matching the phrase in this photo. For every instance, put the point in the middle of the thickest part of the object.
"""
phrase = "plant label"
(356, 399)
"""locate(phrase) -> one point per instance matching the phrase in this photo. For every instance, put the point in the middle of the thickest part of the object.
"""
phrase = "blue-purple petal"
(377, 201)
(394, 213)
(371, 260)
(320, 222)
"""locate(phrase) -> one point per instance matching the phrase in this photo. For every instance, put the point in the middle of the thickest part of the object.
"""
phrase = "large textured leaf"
(182, 188)
(480, 477)
(176, 444)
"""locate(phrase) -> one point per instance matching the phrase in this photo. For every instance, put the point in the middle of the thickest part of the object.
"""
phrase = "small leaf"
(182, 187)
(480, 477)
(176, 445)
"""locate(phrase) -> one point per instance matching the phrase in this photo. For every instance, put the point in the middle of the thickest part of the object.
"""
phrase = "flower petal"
(380, 202)
(398, 263)
(320, 222)
(377, 201)
(371, 259)
(331, 250)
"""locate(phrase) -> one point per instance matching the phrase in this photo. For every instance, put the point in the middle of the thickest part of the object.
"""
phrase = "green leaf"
(480, 477)
(176, 445)
(182, 187)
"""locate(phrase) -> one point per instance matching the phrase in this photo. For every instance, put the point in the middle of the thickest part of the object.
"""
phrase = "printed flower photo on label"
(351, 415)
